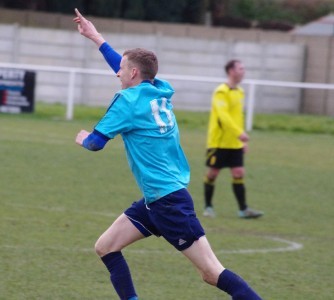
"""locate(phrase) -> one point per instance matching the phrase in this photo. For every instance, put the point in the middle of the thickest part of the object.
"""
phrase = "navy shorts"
(172, 216)
(224, 158)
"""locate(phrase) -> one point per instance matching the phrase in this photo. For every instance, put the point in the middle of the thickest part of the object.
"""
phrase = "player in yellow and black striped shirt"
(227, 140)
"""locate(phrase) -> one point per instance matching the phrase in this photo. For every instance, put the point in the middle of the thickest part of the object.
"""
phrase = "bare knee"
(211, 273)
(102, 248)
(100, 251)
(210, 277)
(119, 235)
(212, 174)
(238, 172)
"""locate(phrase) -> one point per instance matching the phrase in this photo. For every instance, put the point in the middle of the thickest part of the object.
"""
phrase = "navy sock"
(236, 287)
(120, 275)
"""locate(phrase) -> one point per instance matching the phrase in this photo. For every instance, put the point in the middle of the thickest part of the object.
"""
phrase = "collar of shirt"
(147, 81)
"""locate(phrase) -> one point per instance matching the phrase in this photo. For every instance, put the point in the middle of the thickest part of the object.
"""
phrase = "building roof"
(323, 27)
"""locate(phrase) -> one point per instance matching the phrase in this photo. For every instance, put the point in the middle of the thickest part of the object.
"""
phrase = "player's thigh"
(119, 235)
(236, 163)
(202, 256)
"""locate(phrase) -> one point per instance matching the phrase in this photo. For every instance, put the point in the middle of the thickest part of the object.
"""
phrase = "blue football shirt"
(143, 116)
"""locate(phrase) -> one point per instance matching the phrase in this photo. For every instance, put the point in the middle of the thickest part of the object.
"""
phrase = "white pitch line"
(290, 245)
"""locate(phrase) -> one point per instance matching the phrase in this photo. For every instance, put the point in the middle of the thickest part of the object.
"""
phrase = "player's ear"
(134, 72)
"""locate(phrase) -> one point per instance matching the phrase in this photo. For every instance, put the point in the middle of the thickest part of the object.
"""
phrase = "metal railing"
(251, 83)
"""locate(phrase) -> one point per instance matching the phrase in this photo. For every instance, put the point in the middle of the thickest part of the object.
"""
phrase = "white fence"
(251, 84)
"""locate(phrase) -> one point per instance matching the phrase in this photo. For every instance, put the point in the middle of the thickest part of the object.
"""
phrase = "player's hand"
(87, 28)
(244, 137)
(81, 136)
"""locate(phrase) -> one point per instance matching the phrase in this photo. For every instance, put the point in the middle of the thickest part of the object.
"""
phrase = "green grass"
(295, 123)
(56, 199)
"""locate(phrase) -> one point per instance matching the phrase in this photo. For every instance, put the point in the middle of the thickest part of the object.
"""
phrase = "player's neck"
(232, 84)
(136, 81)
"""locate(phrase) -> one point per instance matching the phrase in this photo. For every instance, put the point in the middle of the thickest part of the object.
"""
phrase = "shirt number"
(157, 112)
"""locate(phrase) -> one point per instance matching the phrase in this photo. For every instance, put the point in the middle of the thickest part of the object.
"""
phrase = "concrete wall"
(319, 68)
(182, 49)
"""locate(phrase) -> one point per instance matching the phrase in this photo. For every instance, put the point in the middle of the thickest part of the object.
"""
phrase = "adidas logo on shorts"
(181, 242)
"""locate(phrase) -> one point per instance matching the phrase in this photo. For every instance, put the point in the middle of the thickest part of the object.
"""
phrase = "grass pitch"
(56, 199)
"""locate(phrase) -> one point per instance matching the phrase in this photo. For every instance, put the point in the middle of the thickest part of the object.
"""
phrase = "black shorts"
(224, 158)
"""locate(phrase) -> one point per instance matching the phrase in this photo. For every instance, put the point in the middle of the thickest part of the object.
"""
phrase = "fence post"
(250, 107)
(70, 95)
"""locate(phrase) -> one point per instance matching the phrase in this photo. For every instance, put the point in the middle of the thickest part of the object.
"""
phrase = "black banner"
(17, 89)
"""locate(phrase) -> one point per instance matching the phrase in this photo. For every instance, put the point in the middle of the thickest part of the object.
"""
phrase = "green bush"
(270, 14)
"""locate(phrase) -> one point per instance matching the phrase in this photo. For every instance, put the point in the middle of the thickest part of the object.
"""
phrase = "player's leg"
(119, 235)
(238, 186)
(175, 218)
(217, 159)
(212, 271)
(131, 226)
(209, 187)
(213, 157)
(239, 190)
(204, 260)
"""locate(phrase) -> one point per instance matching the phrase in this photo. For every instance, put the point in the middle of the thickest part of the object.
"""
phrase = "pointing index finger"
(79, 15)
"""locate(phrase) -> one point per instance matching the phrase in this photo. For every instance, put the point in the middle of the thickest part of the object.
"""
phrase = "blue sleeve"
(95, 141)
(112, 57)
(118, 119)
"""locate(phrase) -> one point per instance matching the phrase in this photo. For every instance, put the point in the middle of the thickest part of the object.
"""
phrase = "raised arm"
(112, 57)
(88, 30)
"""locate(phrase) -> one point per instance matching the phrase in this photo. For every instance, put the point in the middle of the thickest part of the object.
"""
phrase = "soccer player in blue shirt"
(141, 112)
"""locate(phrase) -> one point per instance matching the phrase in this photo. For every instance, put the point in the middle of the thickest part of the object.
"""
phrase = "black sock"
(239, 191)
(209, 188)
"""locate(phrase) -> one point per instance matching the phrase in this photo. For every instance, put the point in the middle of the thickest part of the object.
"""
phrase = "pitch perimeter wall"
(51, 39)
